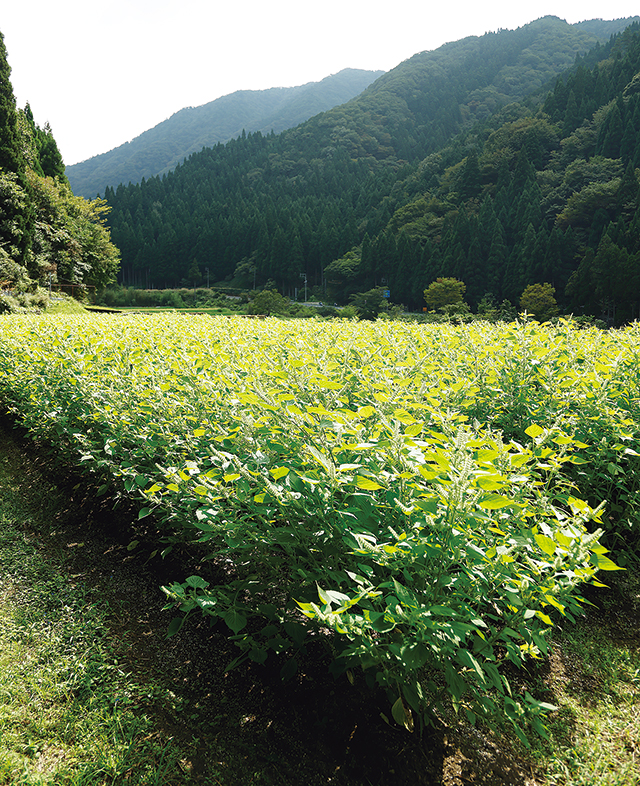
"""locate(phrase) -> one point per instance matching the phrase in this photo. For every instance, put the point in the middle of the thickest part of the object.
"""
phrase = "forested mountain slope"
(47, 235)
(159, 149)
(539, 194)
(279, 206)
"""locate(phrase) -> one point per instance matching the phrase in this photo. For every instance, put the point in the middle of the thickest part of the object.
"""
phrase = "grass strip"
(70, 711)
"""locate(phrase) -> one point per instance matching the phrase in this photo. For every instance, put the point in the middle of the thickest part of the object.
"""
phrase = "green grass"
(70, 711)
(595, 681)
(67, 306)
(211, 311)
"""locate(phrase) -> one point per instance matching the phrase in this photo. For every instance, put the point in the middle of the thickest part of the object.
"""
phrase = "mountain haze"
(159, 149)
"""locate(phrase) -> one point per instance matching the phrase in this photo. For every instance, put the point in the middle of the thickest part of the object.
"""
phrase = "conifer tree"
(11, 158)
(16, 209)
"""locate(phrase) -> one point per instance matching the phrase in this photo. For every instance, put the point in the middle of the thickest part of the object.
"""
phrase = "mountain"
(159, 149)
(471, 161)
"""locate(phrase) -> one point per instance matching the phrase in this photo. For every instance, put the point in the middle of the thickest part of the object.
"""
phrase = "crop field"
(426, 500)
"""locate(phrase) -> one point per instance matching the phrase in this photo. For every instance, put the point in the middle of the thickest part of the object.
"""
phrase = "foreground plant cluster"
(424, 499)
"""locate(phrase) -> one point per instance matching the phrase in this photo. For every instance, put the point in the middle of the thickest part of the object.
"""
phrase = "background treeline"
(547, 194)
(272, 208)
(47, 234)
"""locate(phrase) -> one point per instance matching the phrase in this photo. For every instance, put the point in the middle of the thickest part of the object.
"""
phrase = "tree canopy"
(46, 233)
(413, 181)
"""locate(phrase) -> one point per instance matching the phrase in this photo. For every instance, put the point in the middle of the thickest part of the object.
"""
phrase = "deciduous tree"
(444, 292)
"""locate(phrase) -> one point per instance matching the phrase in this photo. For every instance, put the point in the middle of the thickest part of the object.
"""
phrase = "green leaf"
(546, 544)
(414, 655)
(297, 632)
(534, 431)
(143, 513)
(196, 582)
(235, 620)
(175, 625)
(496, 501)
(366, 483)
(544, 617)
(279, 472)
(604, 563)
(443, 611)
(401, 715)
(258, 655)
(490, 482)
(324, 598)
(467, 659)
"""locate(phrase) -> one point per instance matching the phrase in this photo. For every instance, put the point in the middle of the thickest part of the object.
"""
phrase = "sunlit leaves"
(420, 492)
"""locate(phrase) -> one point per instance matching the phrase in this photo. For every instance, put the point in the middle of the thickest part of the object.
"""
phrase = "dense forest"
(161, 148)
(465, 162)
(503, 161)
(47, 234)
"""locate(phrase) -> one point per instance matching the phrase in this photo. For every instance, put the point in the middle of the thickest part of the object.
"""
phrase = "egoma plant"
(334, 472)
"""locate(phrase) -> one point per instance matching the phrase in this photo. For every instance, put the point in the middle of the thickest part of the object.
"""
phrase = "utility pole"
(304, 275)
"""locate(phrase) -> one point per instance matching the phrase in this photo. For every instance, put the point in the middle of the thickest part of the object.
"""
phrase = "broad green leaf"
(553, 602)
(367, 483)
(546, 619)
(487, 456)
(279, 472)
(235, 620)
(197, 582)
(401, 715)
(495, 501)
(324, 598)
(534, 431)
(604, 563)
(414, 656)
(443, 611)
(175, 625)
(546, 544)
(490, 482)
(467, 659)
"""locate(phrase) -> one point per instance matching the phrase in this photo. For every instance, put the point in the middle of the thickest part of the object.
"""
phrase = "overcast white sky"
(101, 73)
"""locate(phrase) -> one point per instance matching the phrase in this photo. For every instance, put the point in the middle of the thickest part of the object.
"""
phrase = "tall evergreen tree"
(11, 157)
(17, 214)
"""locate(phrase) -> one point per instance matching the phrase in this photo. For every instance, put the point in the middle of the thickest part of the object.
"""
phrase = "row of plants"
(430, 495)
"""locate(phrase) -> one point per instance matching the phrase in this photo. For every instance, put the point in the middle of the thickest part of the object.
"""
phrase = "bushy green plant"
(431, 495)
